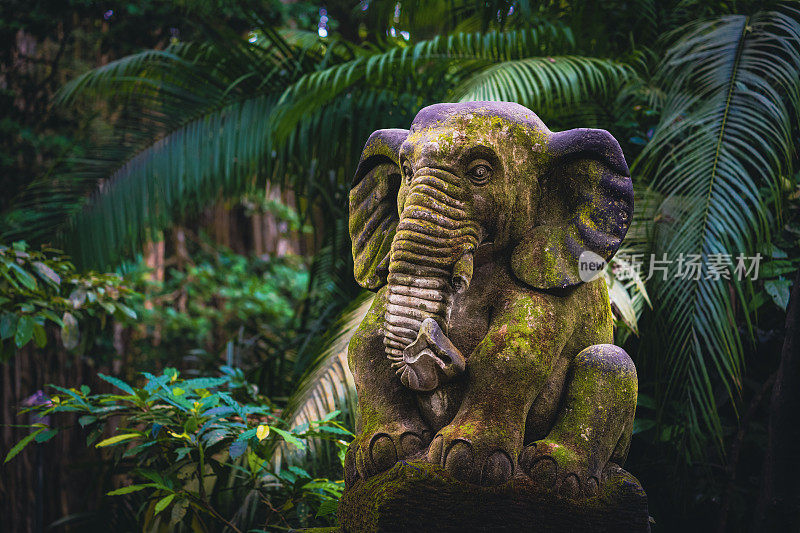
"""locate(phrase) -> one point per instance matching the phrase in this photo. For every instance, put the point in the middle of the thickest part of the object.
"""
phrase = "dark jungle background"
(176, 289)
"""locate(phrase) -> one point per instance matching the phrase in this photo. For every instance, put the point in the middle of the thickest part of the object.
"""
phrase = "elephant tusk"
(462, 272)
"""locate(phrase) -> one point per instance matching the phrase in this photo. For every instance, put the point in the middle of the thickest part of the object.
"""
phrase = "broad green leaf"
(237, 448)
(46, 435)
(299, 471)
(70, 334)
(118, 383)
(180, 453)
(129, 489)
(334, 429)
(203, 383)
(126, 311)
(245, 435)
(39, 335)
(164, 502)
(21, 444)
(85, 420)
(621, 301)
(47, 273)
(116, 439)
(330, 416)
(133, 452)
(8, 325)
(24, 330)
(191, 425)
(778, 289)
(288, 437)
(28, 281)
(53, 317)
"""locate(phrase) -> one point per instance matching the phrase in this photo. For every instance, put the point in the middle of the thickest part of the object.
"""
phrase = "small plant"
(198, 450)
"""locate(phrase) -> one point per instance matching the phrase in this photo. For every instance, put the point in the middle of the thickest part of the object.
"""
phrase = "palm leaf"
(723, 143)
(193, 165)
(195, 125)
(404, 67)
(548, 85)
(327, 385)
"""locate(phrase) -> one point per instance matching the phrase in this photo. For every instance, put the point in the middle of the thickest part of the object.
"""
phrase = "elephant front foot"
(559, 467)
(475, 452)
(372, 452)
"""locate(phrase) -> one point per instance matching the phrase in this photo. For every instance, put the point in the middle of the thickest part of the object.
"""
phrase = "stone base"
(419, 496)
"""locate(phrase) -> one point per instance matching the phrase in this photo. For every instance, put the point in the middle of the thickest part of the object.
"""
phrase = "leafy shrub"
(197, 452)
(222, 304)
(41, 288)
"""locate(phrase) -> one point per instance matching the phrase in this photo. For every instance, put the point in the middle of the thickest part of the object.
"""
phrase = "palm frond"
(403, 67)
(193, 165)
(548, 85)
(327, 385)
(195, 124)
(732, 95)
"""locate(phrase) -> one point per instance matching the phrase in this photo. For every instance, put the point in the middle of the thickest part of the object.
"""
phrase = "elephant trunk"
(430, 261)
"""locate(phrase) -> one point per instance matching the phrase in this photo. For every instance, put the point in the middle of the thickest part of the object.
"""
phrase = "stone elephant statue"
(484, 350)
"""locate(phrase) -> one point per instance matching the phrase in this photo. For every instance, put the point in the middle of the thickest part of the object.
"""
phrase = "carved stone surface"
(488, 350)
(423, 497)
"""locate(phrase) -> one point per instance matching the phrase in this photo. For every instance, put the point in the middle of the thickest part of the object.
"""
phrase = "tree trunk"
(779, 501)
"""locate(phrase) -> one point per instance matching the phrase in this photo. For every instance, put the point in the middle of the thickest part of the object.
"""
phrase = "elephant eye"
(480, 171)
(407, 172)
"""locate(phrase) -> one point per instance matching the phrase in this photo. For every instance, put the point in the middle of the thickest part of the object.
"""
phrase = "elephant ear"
(373, 206)
(585, 205)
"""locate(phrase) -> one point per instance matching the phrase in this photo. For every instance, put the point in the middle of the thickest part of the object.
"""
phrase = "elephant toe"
(543, 472)
(371, 454)
(435, 450)
(497, 469)
(460, 461)
(556, 467)
(383, 452)
(411, 444)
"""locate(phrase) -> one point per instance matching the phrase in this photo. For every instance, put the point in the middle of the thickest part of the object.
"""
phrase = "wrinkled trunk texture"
(431, 259)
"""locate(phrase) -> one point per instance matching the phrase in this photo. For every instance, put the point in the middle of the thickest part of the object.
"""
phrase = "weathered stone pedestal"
(417, 496)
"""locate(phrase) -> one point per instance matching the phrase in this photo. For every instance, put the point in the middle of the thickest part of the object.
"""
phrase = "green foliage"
(709, 114)
(41, 288)
(44, 43)
(221, 301)
(326, 385)
(724, 142)
(197, 450)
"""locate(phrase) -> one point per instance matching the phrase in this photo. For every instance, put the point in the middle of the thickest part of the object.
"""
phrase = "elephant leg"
(593, 427)
(504, 374)
(390, 426)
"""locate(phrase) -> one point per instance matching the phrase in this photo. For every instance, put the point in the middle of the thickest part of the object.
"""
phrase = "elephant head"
(424, 199)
